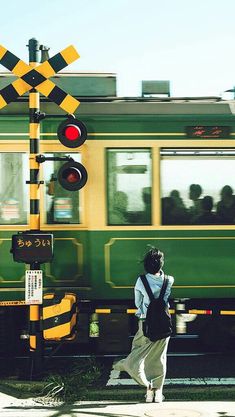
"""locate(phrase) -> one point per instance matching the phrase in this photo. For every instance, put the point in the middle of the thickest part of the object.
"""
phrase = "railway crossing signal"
(72, 133)
(72, 175)
(37, 78)
(34, 78)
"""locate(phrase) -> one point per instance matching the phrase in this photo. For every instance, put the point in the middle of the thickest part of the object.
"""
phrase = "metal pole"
(35, 336)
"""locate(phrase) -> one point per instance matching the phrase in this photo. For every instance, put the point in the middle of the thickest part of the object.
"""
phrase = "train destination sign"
(32, 247)
(212, 132)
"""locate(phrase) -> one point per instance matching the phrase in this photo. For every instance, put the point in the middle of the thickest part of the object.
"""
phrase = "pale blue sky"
(189, 42)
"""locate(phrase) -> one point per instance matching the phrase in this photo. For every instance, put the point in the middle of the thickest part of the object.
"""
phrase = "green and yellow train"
(160, 173)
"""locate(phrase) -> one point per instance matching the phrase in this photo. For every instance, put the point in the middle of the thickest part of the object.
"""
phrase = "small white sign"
(33, 287)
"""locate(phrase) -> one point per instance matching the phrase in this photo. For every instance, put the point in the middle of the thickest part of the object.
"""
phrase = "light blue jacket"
(141, 297)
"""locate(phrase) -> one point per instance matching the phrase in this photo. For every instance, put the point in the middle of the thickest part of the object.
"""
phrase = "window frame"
(52, 146)
(206, 146)
(126, 149)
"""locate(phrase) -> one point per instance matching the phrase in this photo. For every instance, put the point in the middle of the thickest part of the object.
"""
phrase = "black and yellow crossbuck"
(37, 78)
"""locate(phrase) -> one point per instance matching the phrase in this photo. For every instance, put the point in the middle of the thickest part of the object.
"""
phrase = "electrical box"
(59, 317)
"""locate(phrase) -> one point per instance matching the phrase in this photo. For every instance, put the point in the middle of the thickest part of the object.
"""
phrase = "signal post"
(35, 334)
(34, 247)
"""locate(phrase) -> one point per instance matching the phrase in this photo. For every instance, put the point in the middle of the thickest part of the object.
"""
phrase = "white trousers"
(146, 363)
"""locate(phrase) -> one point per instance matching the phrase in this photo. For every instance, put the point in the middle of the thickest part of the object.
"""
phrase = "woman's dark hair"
(153, 261)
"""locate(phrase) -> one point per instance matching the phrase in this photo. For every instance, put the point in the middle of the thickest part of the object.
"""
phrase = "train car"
(160, 173)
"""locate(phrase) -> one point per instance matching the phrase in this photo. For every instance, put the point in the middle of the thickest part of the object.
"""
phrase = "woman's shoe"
(149, 397)
(158, 397)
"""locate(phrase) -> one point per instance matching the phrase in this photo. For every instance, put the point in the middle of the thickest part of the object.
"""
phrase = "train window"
(61, 206)
(197, 186)
(129, 186)
(14, 200)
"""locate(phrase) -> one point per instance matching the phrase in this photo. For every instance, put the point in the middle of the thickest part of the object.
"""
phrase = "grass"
(61, 391)
(212, 393)
(66, 382)
(71, 382)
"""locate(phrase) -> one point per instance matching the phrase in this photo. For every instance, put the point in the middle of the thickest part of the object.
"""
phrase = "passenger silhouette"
(168, 206)
(177, 199)
(119, 208)
(226, 206)
(195, 191)
(180, 212)
(207, 216)
(146, 196)
(173, 209)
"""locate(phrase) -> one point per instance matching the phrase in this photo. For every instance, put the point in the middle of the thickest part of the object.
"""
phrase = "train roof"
(97, 94)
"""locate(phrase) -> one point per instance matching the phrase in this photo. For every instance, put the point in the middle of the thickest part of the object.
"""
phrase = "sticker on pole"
(33, 287)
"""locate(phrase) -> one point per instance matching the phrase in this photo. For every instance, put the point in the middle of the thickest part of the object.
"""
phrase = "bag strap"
(164, 287)
(148, 289)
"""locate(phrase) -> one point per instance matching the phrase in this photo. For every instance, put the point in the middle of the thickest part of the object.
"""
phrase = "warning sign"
(31, 247)
(33, 287)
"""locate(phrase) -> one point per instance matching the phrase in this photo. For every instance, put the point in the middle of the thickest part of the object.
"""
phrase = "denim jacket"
(141, 297)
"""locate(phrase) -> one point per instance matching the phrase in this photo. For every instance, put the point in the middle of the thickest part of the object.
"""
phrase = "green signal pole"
(35, 334)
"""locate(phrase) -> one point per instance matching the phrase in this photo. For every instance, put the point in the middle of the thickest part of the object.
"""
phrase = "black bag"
(157, 324)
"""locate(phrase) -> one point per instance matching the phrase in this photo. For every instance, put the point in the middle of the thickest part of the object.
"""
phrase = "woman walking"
(146, 363)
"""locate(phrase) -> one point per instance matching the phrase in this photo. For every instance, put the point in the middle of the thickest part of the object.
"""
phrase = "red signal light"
(72, 133)
(72, 176)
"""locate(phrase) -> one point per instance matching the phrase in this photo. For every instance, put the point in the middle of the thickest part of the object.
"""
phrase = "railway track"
(190, 369)
(188, 363)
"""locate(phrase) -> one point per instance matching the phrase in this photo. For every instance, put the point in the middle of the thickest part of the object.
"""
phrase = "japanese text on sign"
(33, 287)
(32, 247)
(208, 132)
(38, 242)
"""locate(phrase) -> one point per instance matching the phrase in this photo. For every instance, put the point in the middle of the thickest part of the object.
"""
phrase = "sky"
(189, 42)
